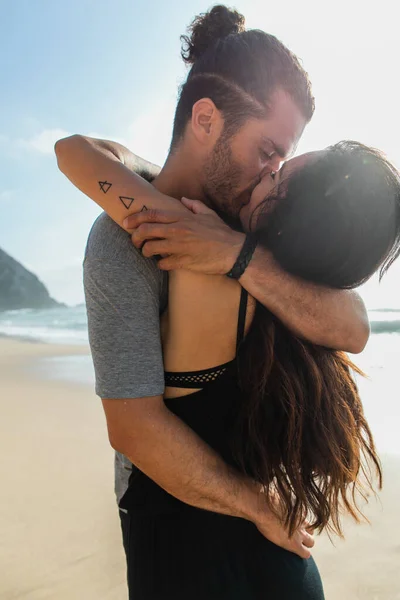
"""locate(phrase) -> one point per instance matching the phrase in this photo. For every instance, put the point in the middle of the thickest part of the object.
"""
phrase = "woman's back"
(199, 328)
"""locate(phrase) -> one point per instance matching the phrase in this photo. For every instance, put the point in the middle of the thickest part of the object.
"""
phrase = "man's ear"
(207, 121)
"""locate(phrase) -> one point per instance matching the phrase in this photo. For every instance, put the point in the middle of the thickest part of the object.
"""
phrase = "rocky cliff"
(19, 288)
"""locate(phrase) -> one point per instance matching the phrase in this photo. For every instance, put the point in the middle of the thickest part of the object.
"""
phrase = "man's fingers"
(171, 263)
(300, 549)
(197, 207)
(308, 540)
(156, 247)
(305, 553)
(150, 216)
(148, 231)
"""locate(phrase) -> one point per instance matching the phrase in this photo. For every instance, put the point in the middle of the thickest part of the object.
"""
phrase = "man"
(231, 126)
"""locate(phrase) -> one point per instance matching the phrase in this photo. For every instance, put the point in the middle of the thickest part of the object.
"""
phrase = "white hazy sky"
(112, 69)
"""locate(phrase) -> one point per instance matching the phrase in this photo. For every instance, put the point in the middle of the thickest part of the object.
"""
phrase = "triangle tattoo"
(126, 201)
(105, 186)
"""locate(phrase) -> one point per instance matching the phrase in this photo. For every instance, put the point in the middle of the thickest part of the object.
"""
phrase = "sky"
(111, 69)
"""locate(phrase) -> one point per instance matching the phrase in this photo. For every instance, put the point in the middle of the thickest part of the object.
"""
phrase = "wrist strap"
(245, 256)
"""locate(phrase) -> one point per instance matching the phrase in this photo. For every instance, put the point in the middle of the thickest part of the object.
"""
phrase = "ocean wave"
(385, 310)
(44, 334)
(63, 325)
(385, 326)
(68, 325)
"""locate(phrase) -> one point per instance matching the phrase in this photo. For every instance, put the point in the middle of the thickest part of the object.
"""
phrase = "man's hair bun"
(207, 28)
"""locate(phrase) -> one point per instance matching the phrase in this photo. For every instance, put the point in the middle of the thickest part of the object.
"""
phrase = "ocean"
(63, 325)
(380, 360)
(68, 325)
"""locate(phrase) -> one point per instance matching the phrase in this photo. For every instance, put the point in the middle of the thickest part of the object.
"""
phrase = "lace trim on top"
(195, 379)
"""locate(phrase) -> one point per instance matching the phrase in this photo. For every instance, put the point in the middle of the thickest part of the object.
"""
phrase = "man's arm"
(328, 317)
(203, 242)
(176, 458)
(180, 462)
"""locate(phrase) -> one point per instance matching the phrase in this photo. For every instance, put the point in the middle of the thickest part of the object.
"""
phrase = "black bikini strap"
(241, 318)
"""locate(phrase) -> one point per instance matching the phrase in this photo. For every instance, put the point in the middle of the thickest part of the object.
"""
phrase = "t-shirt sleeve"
(122, 290)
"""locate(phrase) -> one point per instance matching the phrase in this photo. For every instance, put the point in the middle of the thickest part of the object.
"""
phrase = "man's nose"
(267, 170)
(273, 164)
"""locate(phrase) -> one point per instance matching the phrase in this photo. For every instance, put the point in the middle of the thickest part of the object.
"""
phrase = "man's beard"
(222, 181)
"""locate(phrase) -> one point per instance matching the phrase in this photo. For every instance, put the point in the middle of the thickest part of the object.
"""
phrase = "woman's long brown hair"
(302, 433)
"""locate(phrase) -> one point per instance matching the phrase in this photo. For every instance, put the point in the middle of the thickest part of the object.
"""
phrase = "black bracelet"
(245, 256)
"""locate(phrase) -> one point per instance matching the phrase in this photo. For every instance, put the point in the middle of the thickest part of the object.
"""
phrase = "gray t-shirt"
(125, 296)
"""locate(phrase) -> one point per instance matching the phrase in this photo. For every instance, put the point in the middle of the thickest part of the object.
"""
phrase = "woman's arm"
(103, 171)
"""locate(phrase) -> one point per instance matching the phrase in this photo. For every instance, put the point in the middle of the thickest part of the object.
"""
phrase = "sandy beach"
(60, 535)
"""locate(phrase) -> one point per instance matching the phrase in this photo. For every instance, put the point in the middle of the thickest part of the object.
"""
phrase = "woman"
(282, 410)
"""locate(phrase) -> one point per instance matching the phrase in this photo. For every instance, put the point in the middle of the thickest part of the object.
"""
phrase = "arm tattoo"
(105, 186)
(126, 201)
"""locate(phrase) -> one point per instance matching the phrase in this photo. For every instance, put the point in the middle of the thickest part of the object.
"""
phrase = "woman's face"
(268, 184)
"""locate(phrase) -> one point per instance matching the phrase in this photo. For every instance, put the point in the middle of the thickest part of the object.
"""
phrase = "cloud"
(148, 135)
(43, 142)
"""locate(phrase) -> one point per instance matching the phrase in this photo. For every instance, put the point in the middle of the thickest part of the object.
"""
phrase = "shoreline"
(58, 516)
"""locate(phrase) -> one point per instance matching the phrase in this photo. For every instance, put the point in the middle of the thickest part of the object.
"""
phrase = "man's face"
(236, 164)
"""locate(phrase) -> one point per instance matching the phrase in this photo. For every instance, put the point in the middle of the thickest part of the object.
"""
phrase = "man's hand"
(300, 543)
(271, 526)
(197, 240)
(200, 241)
